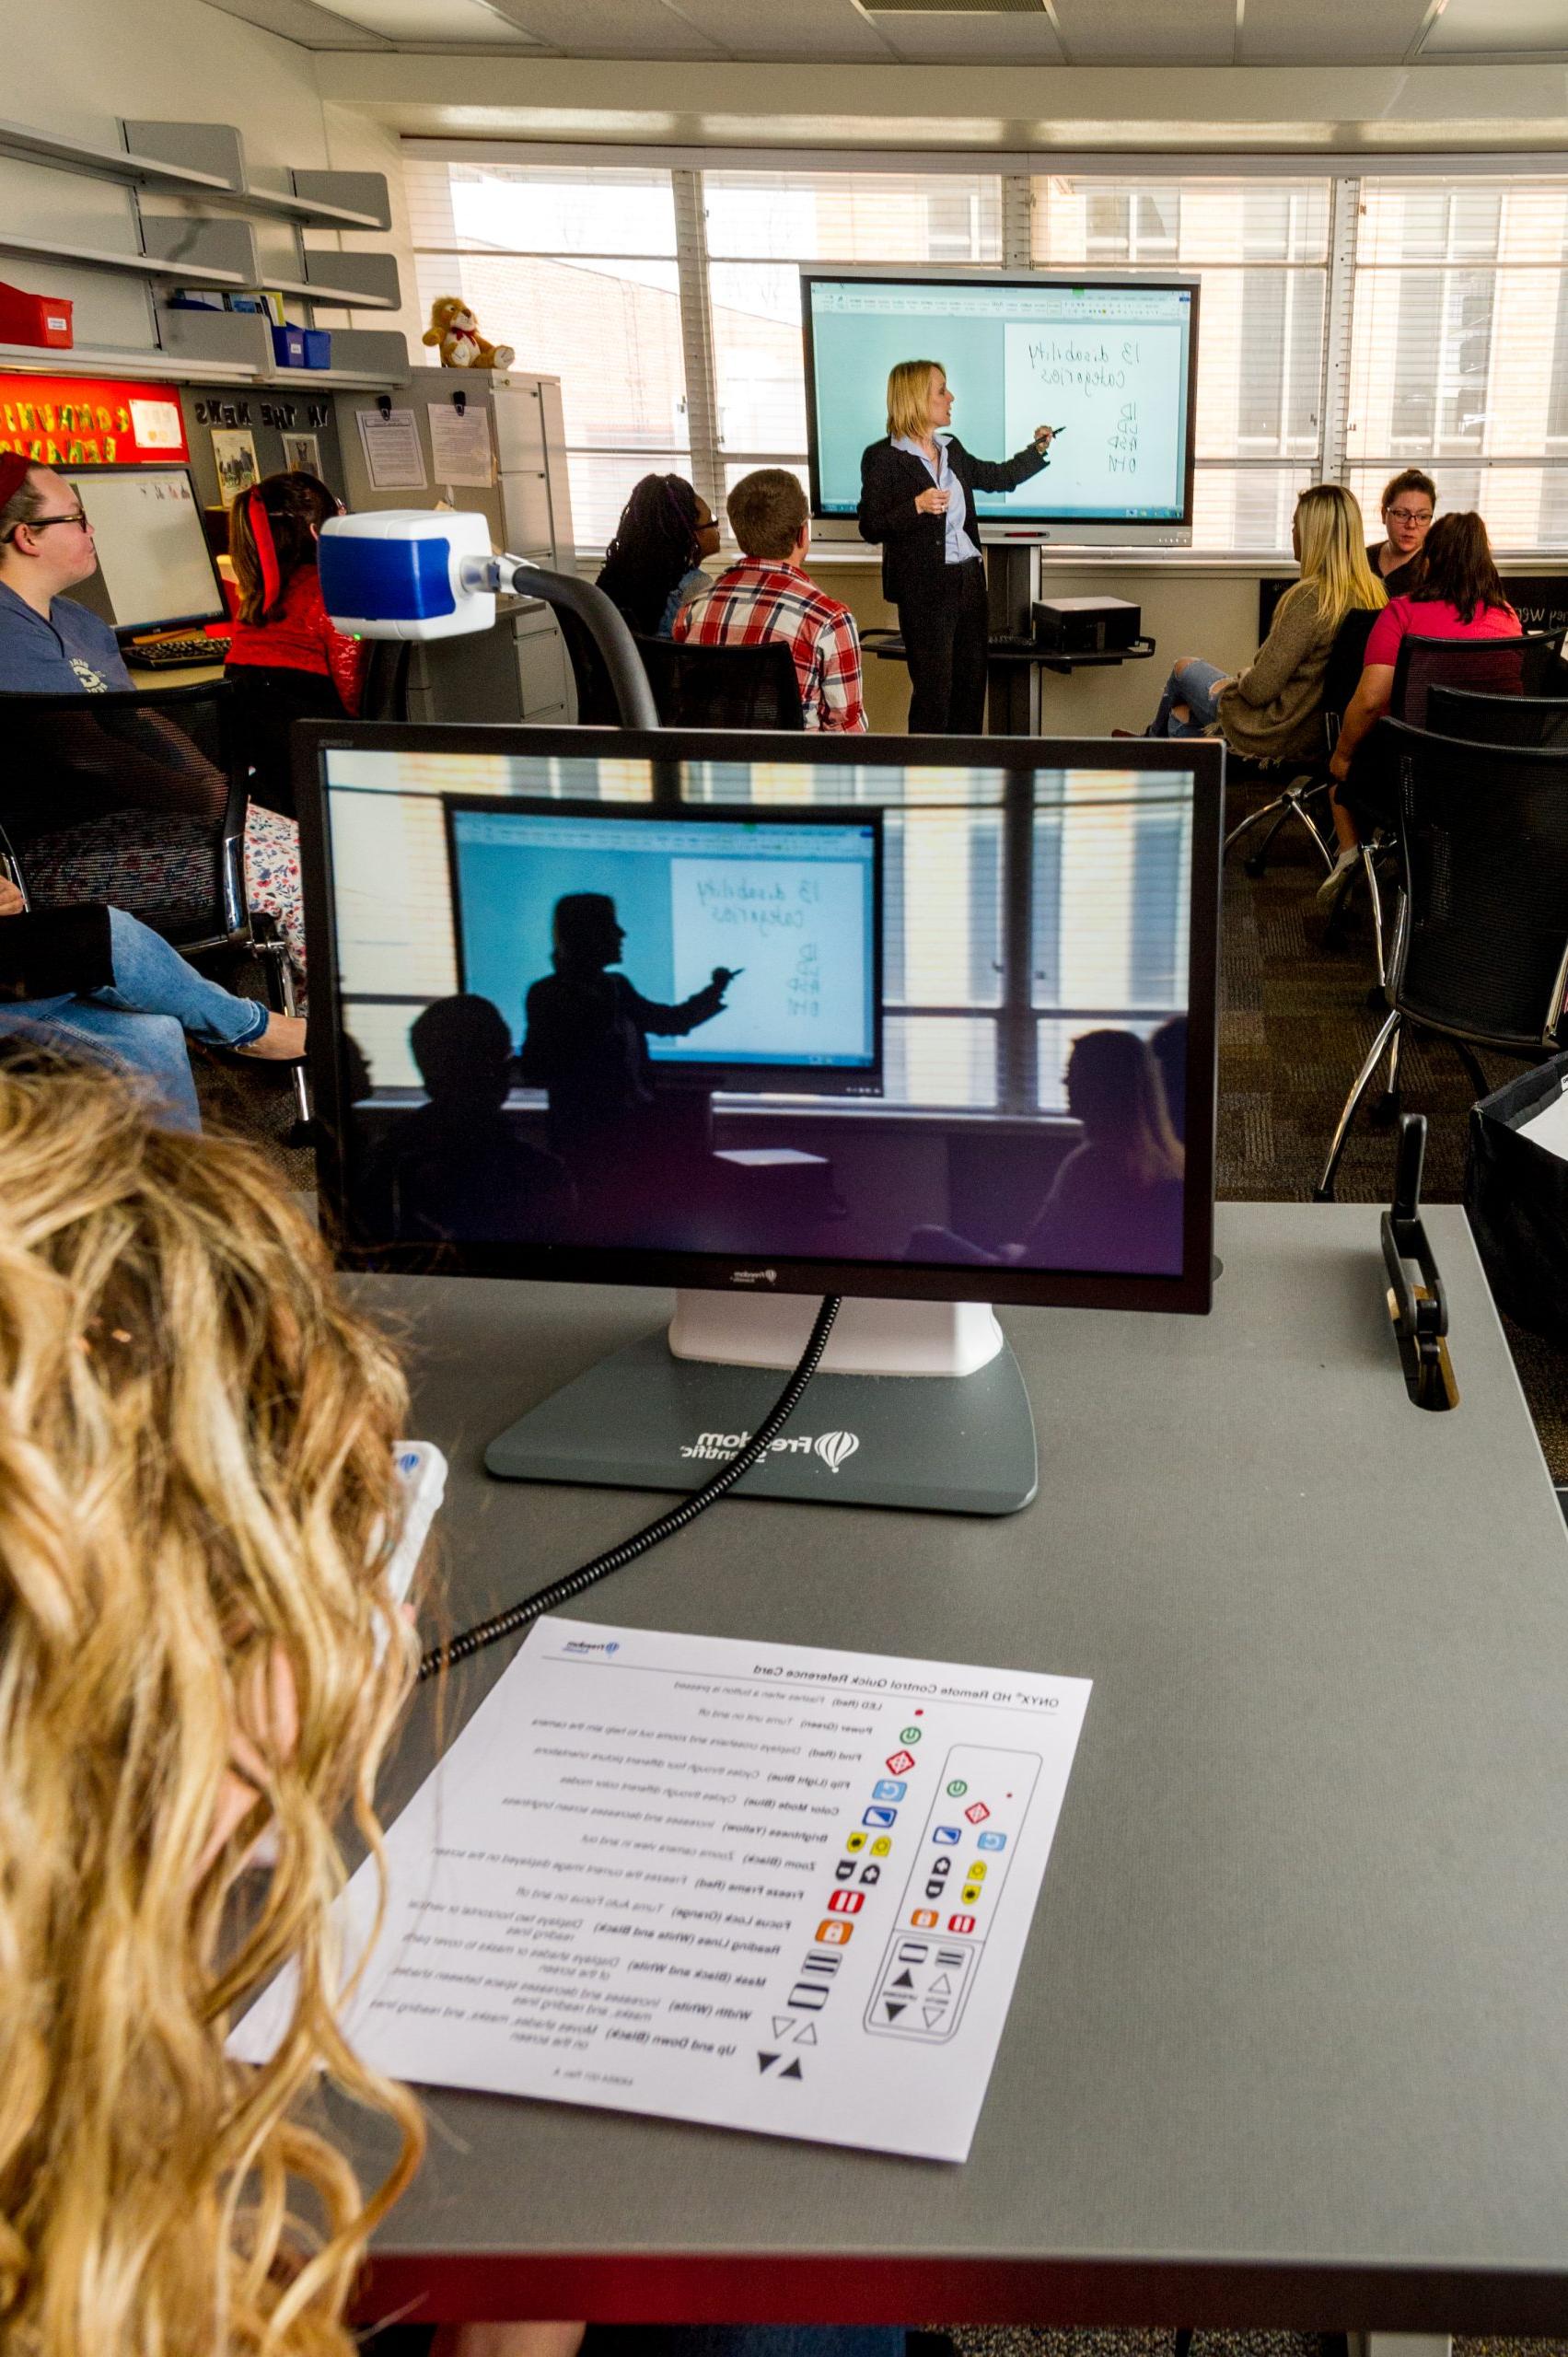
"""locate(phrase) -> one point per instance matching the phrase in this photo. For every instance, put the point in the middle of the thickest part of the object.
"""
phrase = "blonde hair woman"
(917, 498)
(1271, 710)
(197, 1507)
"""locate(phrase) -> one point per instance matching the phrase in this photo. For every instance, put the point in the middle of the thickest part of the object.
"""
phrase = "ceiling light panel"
(303, 22)
(787, 31)
(973, 40)
(458, 24)
(631, 28)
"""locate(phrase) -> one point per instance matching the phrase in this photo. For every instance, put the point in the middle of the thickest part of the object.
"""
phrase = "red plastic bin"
(34, 319)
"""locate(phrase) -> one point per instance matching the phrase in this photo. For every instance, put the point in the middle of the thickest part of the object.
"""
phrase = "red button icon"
(955, 1923)
(901, 1763)
(846, 1902)
(977, 1815)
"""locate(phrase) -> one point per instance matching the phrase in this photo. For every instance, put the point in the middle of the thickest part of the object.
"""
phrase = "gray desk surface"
(1290, 2044)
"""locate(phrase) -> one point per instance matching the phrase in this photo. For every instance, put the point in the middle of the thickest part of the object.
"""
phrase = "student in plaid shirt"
(767, 595)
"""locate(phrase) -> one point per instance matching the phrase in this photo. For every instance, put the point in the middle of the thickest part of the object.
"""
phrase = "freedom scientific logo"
(833, 1450)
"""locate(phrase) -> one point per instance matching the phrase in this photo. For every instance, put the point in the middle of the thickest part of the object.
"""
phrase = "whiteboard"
(1115, 389)
(800, 931)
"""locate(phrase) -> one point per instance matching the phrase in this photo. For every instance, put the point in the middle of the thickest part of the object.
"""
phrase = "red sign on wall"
(91, 421)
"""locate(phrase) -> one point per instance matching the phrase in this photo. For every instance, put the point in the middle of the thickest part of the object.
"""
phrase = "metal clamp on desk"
(1420, 1312)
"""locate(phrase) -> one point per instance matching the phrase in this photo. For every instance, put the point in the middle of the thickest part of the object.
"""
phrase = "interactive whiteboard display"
(1111, 365)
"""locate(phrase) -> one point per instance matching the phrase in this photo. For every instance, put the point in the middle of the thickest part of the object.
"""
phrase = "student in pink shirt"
(1459, 597)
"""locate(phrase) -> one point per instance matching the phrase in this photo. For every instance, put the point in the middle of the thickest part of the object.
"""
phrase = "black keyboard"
(1012, 644)
(177, 653)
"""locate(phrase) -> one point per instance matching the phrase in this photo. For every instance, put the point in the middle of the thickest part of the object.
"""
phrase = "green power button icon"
(957, 1788)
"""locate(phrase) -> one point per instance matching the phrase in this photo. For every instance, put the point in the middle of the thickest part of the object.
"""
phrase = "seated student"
(82, 841)
(1168, 1049)
(137, 1022)
(1408, 503)
(767, 595)
(1271, 710)
(653, 565)
(456, 1169)
(284, 657)
(195, 1524)
(1458, 596)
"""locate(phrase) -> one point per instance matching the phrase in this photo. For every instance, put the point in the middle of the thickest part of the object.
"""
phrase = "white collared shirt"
(959, 547)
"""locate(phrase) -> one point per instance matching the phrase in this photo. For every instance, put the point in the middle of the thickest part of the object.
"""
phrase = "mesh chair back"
(597, 707)
(723, 687)
(385, 693)
(1497, 720)
(1483, 933)
(1496, 667)
(1347, 659)
(71, 760)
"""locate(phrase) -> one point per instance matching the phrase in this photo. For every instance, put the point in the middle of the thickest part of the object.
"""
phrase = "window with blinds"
(1260, 249)
(1460, 349)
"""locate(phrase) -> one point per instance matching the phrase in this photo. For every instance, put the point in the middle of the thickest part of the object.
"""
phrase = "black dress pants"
(944, 641)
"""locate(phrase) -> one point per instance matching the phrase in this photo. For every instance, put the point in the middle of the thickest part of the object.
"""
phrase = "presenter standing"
(917, 498)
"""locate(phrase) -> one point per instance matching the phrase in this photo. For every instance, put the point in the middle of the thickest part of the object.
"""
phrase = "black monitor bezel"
(1160, 283)
(1203, 758)
(124, 632)
(857, 1082)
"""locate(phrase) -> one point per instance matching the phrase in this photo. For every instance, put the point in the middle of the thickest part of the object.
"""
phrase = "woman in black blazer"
(917, 499)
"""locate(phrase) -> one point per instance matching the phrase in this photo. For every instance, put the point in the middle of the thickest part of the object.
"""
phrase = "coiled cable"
(574, 1584)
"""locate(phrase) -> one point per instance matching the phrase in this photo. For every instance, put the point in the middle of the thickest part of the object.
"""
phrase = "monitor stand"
(916, 1404)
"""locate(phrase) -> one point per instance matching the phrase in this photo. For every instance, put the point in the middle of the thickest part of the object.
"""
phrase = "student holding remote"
(917, 499)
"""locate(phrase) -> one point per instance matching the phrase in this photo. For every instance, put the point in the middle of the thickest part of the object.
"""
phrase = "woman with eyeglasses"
(654, 565)
(1409, 502)
(127, 812)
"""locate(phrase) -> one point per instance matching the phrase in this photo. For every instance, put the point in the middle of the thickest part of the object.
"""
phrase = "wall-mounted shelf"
(372, 360)
(152, 164)
(131, 265)
(144, 363)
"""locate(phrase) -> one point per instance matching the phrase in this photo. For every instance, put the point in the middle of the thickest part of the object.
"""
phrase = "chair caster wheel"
(1376, 1002)
(1322, 1194)
(1253, 867)
(304, 1133)
(1386, 1112)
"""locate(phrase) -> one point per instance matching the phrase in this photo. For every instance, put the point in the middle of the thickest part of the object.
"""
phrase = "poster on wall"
(302, 453)
(91, 421)
(233, 455)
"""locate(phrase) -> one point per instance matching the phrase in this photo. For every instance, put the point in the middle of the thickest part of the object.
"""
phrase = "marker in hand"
(724, 975)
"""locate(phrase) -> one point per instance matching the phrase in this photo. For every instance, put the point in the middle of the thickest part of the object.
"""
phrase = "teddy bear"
(455, 329)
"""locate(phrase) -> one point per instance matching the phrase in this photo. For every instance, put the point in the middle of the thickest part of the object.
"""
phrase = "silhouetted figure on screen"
(456, 1171)
(1168, 1049)
(586, 1037)
(1116, 1202)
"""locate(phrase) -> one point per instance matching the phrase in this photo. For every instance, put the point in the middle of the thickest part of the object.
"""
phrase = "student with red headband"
(125, 812)
(285, 660)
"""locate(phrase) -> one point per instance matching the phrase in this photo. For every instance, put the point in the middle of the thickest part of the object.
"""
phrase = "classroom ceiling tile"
(972, 41)
(787, 30)
(611, 27)
(304, 22)
(1146, 32)
(1331, 32)
(1499, 28)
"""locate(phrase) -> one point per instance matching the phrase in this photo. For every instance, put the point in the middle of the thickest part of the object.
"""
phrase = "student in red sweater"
(287, 661)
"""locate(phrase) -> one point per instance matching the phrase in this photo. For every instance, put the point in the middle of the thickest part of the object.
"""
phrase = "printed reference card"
(764, 1887)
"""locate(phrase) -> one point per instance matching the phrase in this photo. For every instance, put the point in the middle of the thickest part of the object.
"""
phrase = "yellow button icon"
(857, 1842)
(881, 1847)
(972, 1893)
(976, 1873)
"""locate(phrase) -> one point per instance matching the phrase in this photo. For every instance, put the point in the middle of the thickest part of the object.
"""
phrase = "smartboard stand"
(1013, 694)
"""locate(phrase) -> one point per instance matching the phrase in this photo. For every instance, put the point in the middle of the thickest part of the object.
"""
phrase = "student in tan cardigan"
(1269, 711)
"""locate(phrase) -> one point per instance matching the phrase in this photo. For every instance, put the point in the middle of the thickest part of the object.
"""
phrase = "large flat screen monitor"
(154, 570)
(1111, 362)
(915, 1019)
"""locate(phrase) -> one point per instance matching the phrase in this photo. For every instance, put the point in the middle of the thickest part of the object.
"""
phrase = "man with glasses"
(1409, 502)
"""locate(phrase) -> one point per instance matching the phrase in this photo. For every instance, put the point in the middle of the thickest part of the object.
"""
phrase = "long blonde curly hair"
(195, 1491)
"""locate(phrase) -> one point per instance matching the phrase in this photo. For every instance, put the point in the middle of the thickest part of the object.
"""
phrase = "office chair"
(1483, 719)
(597, 706)
(1479, 952)
(1346, 659)
(723, 687)
(40, 730)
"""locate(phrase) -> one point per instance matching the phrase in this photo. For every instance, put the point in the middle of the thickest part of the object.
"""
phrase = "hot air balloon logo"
(837, 1448)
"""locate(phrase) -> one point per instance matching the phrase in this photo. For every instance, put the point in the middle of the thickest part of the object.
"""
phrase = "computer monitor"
(1112, 361)
(916, 1021)
(154, 571)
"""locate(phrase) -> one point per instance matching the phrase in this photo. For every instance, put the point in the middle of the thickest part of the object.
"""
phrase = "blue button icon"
(992, 1842)
(880, 1816)
(887, 1788)
(951, 1834)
